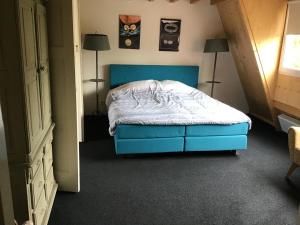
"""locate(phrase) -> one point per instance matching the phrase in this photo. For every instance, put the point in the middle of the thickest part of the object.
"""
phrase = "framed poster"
(129, 31)
(169, 34)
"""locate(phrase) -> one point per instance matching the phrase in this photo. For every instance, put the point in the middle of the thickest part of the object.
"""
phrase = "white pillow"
(131, 86)
(135, 85)
(176, 86)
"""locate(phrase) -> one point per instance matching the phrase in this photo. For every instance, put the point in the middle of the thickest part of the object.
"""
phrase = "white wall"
(200, 21)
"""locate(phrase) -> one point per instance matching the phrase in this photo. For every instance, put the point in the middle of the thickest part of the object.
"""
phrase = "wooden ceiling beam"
(212, 2)
(191, 1)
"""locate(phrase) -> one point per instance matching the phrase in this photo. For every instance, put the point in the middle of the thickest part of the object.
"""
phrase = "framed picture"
(169, 34)
(129, 31)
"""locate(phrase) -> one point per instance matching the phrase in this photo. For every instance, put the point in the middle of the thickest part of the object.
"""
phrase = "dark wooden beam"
(212, 2)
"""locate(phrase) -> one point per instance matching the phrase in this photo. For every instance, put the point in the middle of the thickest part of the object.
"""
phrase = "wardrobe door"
(43, 65)
(31, 79)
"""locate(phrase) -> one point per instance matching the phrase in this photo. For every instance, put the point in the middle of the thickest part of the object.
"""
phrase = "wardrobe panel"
(43, 64)
(32, 86)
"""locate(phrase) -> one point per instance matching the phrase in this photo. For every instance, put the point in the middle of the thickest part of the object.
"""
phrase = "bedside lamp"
(215, 46)
(96, 42)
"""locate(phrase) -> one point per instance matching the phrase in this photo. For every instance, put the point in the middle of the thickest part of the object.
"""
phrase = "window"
(291, 55)
(290, 58)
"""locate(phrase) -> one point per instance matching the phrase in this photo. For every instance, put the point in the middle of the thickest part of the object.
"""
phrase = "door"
(29, 58)
(43, 65)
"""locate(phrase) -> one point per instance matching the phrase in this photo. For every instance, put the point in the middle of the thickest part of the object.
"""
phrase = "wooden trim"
(287, 95)
(212, 2)
(292, 169)
(289, 110)
(263, 119)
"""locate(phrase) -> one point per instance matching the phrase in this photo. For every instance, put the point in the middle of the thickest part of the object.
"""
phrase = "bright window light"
(291, 54)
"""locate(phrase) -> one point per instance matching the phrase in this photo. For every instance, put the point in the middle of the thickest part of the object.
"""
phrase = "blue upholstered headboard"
(122, 74)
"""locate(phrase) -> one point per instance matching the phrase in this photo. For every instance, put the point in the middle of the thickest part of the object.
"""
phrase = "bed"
(133, 138)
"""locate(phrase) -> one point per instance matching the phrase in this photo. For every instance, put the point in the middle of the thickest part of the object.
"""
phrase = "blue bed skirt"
(133, 139)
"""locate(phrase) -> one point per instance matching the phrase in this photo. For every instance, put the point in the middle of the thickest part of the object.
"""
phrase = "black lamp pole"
(215, 46)
(214, 75)
(97, 84)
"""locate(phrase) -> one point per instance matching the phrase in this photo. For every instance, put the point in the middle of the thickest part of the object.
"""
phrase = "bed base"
(180, 144)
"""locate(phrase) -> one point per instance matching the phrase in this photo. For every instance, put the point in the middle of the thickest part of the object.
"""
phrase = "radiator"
(286, 122)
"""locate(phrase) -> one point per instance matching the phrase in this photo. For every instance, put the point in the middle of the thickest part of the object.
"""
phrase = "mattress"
(168, 103)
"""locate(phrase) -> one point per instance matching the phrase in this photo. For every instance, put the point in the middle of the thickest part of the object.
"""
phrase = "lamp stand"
(214, 75)
(213, 82)
(97, 80)
(97, 85)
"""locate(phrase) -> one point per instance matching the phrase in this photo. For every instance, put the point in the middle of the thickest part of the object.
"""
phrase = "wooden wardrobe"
(25, 92)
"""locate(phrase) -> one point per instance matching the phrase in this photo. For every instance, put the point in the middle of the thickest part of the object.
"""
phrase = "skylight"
(291, 54)
(290, 58)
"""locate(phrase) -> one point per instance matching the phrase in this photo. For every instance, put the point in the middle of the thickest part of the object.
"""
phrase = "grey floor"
(184, 189)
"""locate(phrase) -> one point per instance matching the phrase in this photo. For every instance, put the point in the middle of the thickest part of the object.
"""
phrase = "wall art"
(169, 34)
(129, 31)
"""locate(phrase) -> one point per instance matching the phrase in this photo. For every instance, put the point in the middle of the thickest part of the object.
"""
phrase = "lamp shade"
(97, 42)
(216, 45)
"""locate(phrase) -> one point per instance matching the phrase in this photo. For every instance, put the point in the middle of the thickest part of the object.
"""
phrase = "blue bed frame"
(134, 139)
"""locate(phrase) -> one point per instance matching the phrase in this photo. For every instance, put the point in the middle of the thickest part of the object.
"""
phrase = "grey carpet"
(184, 189)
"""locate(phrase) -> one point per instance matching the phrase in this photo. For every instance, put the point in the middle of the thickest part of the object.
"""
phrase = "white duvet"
(152, 102)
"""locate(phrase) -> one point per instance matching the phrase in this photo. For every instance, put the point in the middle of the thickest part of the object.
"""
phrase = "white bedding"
(152, 102)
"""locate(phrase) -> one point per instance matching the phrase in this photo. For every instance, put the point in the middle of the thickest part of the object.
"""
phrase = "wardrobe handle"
(41, 69)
